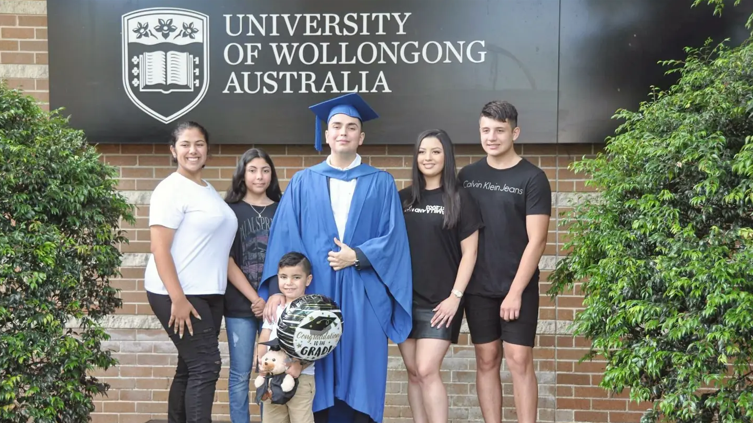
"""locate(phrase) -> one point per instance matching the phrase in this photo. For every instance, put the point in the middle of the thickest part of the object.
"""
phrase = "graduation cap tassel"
(318, 136)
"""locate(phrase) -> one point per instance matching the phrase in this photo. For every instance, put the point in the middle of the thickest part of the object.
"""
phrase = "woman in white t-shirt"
(192, 230)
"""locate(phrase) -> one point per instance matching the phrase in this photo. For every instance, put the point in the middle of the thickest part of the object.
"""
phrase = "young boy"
(294, 275)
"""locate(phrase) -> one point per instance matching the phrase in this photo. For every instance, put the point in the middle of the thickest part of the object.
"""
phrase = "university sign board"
(126, 71)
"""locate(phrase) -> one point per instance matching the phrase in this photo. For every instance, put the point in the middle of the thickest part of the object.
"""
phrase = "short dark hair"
(360, 122)
(293, 259)
(501, 111)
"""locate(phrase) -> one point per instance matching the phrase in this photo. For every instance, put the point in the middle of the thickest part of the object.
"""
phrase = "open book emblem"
(165, 60)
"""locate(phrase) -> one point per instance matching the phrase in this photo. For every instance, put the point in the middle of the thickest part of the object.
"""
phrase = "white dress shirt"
(341, 195)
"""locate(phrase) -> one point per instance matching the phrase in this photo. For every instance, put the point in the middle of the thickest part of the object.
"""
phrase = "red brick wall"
(568, 391)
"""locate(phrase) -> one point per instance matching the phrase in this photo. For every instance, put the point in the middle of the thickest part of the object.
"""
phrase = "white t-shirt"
(204, 226)
(273, 327)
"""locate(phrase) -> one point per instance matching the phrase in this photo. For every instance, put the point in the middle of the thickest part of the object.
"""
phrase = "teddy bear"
(275, 381)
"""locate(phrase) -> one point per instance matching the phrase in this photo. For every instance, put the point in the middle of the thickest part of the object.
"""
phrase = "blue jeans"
(241, 338)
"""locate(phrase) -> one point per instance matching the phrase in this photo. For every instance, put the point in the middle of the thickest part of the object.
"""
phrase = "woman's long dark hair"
(237, 189)
(448, 181)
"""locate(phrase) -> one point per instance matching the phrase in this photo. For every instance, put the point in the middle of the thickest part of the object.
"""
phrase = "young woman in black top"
(443, 223)
(253, 196)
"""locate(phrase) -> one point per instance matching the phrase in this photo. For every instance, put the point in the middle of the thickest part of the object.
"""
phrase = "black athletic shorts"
(486, 325)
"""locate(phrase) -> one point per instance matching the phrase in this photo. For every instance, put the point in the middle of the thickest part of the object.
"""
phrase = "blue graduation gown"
(376, 301)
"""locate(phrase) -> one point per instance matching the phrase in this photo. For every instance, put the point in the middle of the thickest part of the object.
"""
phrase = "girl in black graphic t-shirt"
(443, 223)
(253, 196)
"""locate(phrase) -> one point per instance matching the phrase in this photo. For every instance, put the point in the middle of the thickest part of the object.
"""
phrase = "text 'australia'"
(288, 82)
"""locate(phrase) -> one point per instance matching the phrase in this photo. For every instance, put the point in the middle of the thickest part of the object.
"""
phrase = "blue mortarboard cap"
(349, 104)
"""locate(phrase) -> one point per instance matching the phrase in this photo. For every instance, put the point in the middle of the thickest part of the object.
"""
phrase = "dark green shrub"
(665, 252)
(59, 216)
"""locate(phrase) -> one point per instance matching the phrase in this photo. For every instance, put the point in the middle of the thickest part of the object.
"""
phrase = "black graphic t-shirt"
(505, 197)
(435, 252)
(249, 250)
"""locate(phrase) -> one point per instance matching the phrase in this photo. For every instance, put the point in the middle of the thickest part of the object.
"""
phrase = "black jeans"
(192, 391)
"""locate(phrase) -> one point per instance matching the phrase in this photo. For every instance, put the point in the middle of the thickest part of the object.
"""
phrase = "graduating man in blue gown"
(346, 217)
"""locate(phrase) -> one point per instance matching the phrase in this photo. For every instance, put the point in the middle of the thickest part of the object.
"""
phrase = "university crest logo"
(165, 60)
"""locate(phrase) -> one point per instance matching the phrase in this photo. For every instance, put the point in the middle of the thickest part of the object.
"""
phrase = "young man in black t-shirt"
(502, 298)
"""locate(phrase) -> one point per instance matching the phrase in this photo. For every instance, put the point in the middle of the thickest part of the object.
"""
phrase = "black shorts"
(486, 325)
(422, 325)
